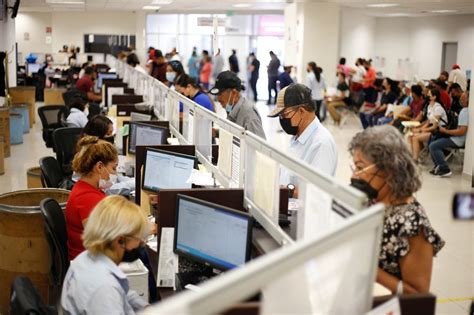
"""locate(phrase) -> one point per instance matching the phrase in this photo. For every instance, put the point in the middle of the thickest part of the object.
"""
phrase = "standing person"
(356, 82)
(228, 90)
(341, 67)
(272, 70)
(254, 68)
(311, 142)
(284, 78)
(316, 82)
(218, 64)
(158, 66)
(193, 65)
(457, 76)
(174, 55)
(205, 75)
(234, 62)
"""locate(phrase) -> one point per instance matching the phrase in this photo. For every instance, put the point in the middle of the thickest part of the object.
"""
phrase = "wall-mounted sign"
(49, 29)
(26, 36)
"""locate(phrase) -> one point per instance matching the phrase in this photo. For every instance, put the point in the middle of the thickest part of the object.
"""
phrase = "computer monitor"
(134, 116)
(33, 68)
(145, 134)
(167, 170)
(212, 234)
(102, 76)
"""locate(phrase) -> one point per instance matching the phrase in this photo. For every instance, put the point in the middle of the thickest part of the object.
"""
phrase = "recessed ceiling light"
(241, 5)
(151, 7)
(382, 5)
(65, 1)
(160, 2)
(443, 11)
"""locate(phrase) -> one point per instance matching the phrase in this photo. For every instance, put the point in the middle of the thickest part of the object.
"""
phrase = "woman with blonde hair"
(94, 284)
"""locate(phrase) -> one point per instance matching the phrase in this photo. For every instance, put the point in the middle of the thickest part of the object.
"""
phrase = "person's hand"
(442, 129)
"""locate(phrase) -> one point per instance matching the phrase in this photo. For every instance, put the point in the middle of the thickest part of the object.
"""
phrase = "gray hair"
(388, 150)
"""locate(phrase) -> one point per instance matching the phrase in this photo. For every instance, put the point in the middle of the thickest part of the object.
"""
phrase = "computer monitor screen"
(102, 76)
(145, 134)
(134, 116)
(212, 234)
(167, 170)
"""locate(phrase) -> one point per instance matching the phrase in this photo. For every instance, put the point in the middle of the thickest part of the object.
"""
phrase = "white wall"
(7, 43)
(420, 39)
(357, 38)
(33, 23)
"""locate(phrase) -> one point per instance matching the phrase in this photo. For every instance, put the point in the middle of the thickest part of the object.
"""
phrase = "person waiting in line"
(193, 65)
(342, 98)
(443, 76)
(316, 82)
(228, 89)
(234, 62)
(189, 88)
(174, 69)
(206, 72)
(384, 169)
(357, 76)
(284, 78)
(369, 88)
(342, 68)
(370, 115)
(414, 111)
(134, 62)
(443, 93)
(86, 85)
(436, 117)
(96, 163)
(254, 69)
(391, 95)
(272, 71)
(455, 91)
(311, 142)
(217, 64)
(79, 110)
(450, 138)
(158, 65)
(457, 76)
(94, 284)
(101, 127)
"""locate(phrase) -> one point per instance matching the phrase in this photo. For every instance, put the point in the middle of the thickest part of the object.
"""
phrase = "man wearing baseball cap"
(239, 111)
(311, 141)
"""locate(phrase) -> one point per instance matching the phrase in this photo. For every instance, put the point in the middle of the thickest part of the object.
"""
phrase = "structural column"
(7, 43)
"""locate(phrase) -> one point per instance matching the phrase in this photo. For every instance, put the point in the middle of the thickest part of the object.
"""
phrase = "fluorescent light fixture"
(443, 11)
(65, 1)
(241, 5)
(398, 14)
(151, 7)
(161, 2)
(382, 5)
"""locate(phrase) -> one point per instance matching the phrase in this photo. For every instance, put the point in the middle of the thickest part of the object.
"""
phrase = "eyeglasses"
(357, 171)
(286, 112)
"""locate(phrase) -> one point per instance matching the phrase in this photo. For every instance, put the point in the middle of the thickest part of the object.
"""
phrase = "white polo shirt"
(76, 118)
(315, 146)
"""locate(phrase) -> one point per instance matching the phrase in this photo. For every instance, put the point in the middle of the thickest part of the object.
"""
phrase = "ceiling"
(402, 8)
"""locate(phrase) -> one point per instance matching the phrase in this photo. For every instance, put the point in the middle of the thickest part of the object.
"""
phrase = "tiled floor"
(453, 274)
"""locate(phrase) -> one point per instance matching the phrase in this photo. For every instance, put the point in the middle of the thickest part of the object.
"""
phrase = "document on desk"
(265, 184)
(225, 153)
(235, 166)
(317, 215)
(168, 261)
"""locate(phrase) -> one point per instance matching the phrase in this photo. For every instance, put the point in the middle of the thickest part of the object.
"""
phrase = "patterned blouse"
(402, 222)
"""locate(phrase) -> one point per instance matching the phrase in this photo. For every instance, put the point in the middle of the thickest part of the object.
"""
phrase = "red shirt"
(81, 202)
(85, 84)
(205, 72)
(445, 99)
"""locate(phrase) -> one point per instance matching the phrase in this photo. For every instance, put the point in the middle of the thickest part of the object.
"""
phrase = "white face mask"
(106, 184)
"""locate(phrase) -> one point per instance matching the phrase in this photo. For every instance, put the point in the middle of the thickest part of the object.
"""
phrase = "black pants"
(318, 108)
(272, 86)
(253, 86)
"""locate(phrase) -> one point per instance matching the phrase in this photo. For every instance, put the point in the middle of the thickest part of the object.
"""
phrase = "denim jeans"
(436, 151)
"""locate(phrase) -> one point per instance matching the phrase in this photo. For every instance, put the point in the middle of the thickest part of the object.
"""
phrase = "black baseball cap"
(226, 80)
(293, 95)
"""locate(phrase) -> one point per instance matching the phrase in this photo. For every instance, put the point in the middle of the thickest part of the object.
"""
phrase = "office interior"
(317, 256)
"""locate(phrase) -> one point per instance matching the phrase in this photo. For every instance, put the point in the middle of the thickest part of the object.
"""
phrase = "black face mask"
(286, 125)
(131, 255)
(110, 139)
(365, 187)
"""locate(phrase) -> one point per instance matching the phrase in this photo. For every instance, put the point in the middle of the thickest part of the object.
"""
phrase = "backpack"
(25, 300)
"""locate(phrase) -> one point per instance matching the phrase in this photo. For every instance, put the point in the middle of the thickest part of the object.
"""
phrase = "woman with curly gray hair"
(385, 170)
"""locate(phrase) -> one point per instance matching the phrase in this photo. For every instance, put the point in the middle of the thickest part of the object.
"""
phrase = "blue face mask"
(170, 76)
(229, 106)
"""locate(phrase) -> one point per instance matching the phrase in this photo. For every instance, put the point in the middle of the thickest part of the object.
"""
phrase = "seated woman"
(101, 127)
(453, 138)
(436, 117)
(188, 87)
(342, 98)
(390, 95)
(96, 163)
(94, 284)
(79, 111)
(386, 172)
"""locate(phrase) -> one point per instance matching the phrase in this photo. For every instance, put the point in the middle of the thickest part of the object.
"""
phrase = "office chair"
(51, 172)
(52, 117)
(64, 140)
(56, 234)
(25, 299)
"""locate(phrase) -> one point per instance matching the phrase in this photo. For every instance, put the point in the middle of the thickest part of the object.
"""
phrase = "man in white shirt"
(457, 76)
(311, 142)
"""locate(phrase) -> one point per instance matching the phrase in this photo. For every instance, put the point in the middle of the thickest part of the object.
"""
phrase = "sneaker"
(441, 173)
(433, 171)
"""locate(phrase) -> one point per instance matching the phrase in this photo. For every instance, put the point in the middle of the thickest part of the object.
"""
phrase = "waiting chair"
(25, 300)
(51, 172)
(56, 234)
(65, 140)
(52, 117)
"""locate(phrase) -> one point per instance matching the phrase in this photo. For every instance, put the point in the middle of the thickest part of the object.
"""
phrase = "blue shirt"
(316, 147)
(463, 120)
(96, 285)
(203, 100)
(285, 79)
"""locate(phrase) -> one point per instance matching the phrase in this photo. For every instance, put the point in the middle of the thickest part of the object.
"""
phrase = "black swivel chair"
(25, 300)
(56, 234)
(52, 117)
(51, 172)
(65, 140)
(69, 94)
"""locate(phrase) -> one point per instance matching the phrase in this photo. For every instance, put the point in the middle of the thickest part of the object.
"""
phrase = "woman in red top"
(206, 73)
(96, 162)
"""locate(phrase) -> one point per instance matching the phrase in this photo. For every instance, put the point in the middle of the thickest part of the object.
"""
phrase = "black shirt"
(256, 67)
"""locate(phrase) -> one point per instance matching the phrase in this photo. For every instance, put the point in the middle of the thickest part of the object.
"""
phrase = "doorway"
(449, 55)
